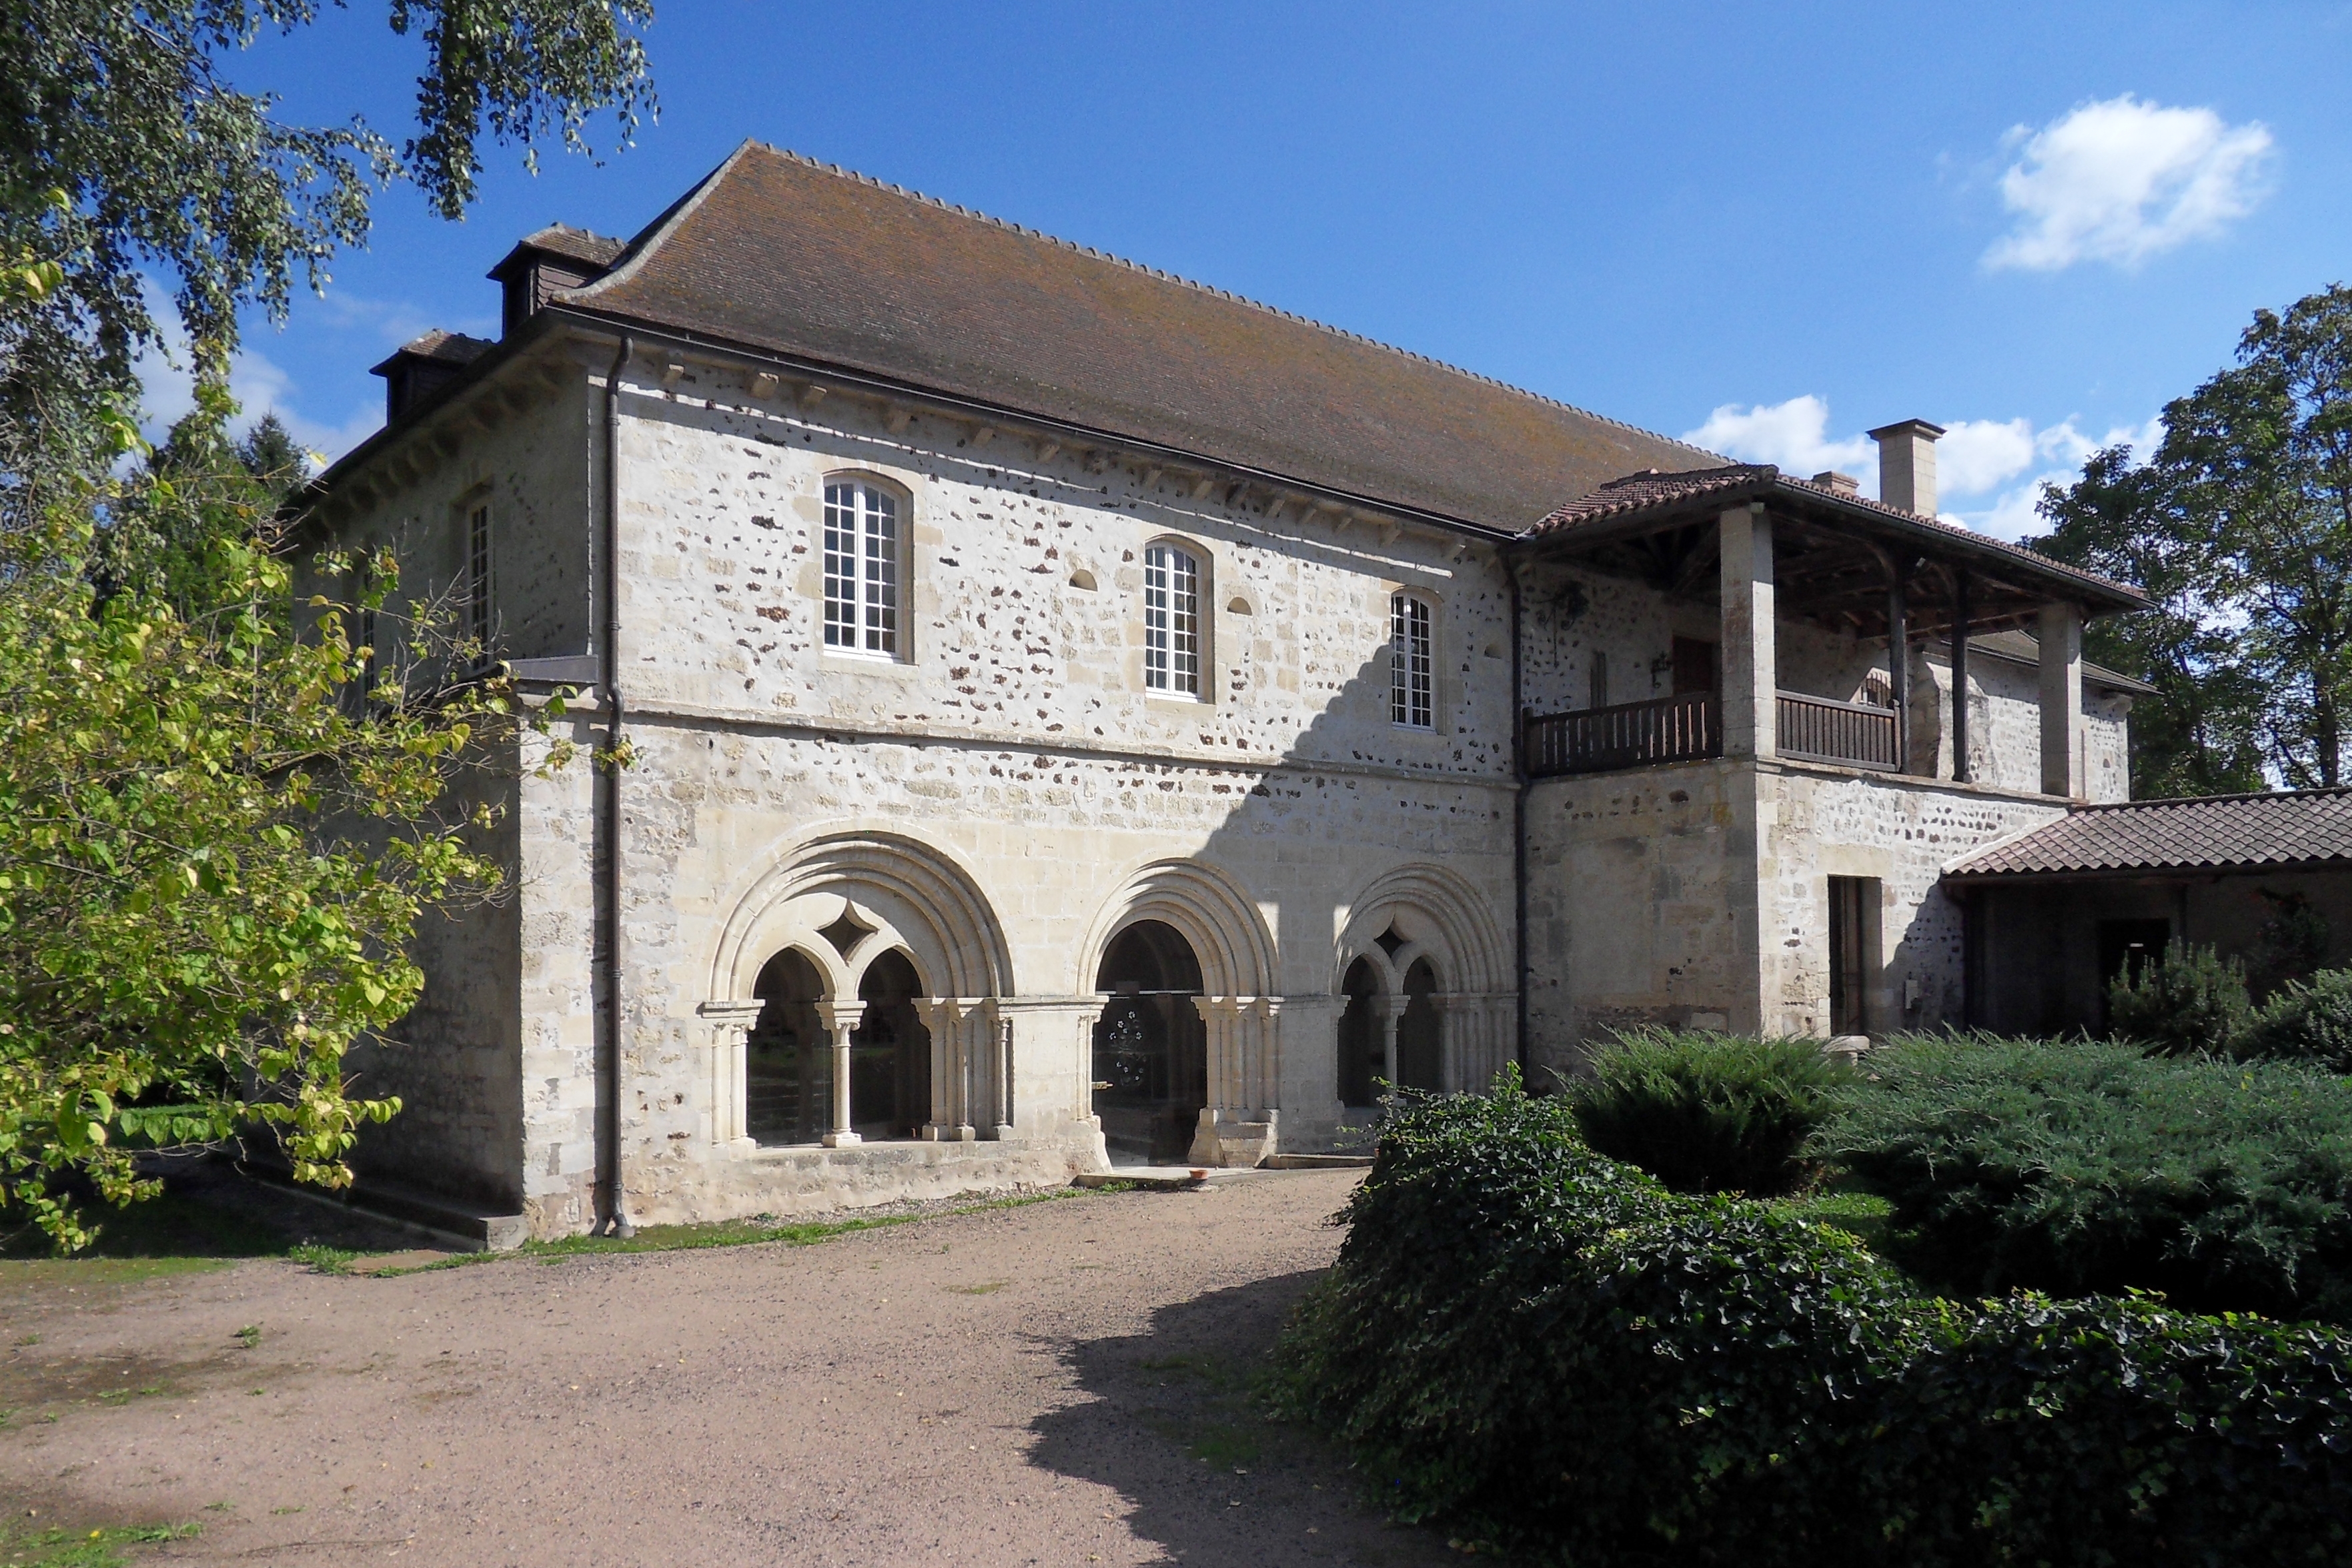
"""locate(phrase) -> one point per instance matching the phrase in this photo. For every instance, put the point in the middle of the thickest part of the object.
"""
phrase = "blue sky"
(1767, 227)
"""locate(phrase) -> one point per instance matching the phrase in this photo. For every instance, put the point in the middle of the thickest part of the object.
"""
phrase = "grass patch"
(85, 1548)
(1865, 1216)
(322, 1259)
(724, 1233)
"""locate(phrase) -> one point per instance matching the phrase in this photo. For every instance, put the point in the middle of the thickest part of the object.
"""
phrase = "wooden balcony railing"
(1685, 728)
(1817, 729)
(1629, 734)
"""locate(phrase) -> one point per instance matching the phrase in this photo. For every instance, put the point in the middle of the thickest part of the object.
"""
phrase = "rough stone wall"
(1632, 882)
(454, 1062)
(722, 594)
(1014, 742)
(1636, 888)
(1568, 615)
(1820, 822)
(534, 472)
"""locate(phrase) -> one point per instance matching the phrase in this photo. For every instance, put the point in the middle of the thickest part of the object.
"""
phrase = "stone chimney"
(1906, 465)
(1843, 484)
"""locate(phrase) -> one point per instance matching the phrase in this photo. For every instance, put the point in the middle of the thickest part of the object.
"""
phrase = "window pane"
(881, 571)
(1411, 664)
(1155, 618)
(1185, 623)
(840, 566)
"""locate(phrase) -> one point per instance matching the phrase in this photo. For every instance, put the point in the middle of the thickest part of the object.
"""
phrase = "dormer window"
(1412, 663)
(1171, 621)
(861, 568)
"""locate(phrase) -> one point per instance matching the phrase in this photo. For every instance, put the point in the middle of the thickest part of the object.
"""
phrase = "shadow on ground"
(1173, 1429)
(211, 1207)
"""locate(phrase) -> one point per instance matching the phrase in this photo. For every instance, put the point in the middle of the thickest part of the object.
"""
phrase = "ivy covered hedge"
(1549, 1350)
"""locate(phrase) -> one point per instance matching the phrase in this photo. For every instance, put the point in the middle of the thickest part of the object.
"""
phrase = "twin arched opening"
(791, 1061)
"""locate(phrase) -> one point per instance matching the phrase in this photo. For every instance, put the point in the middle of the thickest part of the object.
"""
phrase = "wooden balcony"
(1687, 729)
(1628, 735)
(1818, 729)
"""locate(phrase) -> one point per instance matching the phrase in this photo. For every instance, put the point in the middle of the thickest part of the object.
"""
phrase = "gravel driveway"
(1054, 1384)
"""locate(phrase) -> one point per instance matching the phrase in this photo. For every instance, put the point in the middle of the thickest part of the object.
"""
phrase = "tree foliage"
(215, 844)
(125, 150)
(2239, 527)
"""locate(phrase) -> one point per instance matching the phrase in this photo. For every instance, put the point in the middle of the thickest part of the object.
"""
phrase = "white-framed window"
(1412, 663)
(1171, 621)
(479, 586)
(861, 568)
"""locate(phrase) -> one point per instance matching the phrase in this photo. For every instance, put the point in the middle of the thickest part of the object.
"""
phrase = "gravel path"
(1056, 1383)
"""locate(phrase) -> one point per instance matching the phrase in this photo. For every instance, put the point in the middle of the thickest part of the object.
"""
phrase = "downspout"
(1518, 818)
(616, 1218)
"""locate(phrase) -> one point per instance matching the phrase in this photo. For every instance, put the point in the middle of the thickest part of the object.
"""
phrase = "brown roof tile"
(775, 252)
(2217, 833)
(1652, 489)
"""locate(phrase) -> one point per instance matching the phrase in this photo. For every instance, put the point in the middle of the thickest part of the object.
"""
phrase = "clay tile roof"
(561, 239)
(2217, 833)
(1650, 487)
(776, 253)
(1650, 490)
(444, 348)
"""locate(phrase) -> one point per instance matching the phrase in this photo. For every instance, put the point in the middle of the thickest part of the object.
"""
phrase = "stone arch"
(899, 891)
(1445, 979)
(1208, 907)
(1441, 916)
(844, 901)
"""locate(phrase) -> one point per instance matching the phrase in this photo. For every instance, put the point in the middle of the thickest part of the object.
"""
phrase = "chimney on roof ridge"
(1843, 484)
(1906, 465)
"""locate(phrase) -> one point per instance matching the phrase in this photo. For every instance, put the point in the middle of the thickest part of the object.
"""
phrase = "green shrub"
(1707, 1113)
(1550, 1352)
(2186, 1000)
(2074, 1167)
(2305, 1020)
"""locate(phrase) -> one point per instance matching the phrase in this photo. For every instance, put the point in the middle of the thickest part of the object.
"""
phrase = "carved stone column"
(839, 1019)
(731, 1023)
(1237, 1126)
(950, 1023)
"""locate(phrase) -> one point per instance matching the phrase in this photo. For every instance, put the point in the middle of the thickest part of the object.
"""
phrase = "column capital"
(840, 1015)
(735, 1014)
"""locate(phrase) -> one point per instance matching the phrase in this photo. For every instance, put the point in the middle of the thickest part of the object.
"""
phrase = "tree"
(2241, 527)
(214, 844)
(124, 149)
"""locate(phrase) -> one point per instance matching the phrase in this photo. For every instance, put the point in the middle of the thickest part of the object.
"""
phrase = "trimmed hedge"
(2076, 1166)
(1552, 1353)
(1708, 1113)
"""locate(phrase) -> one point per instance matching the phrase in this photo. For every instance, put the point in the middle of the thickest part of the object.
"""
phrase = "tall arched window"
(861, 568)
(1412, 663)
(1171, 621)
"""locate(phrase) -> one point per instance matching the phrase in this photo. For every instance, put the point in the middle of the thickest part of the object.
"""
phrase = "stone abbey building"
(1078, 715)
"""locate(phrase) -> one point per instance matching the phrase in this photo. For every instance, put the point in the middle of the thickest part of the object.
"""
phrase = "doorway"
(1853, 952)
(1151, 1046)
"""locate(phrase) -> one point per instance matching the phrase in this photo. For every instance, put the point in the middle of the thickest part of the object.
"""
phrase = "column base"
(948, 1132)
(1235, 1139)
(841, 1140)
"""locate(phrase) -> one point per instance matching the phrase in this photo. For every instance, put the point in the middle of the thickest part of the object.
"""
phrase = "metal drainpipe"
(608, 679)
(1519, 817)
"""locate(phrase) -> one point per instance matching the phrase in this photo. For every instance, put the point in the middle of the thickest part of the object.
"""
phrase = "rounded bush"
(2190, 1000)
(1708, 1113)
(2307, 1020)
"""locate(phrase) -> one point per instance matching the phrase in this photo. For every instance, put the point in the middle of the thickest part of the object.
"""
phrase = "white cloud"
(1976, 458)
(1975, 454)
(1791, 435)
(259, 384)
(2120, 181)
